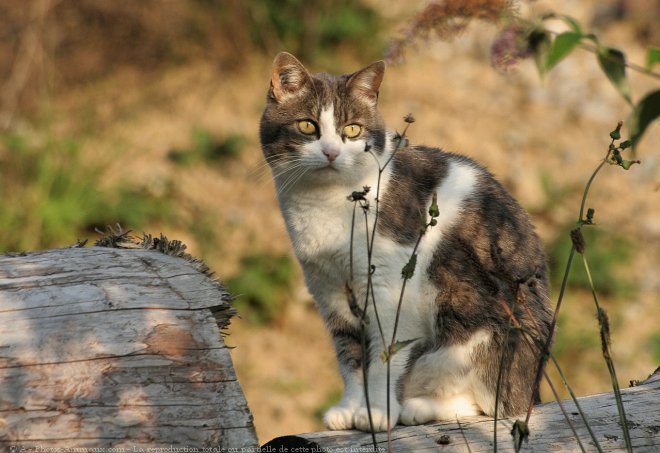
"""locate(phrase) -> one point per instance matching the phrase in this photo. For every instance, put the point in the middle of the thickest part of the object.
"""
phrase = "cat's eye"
(352, 130)
(307, 127)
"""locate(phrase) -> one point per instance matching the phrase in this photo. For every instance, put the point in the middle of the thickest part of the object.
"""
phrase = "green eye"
(307, 127)
(352, 130)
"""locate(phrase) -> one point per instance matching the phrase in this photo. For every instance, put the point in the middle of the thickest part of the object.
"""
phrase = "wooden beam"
(549, 430)
(109, 347)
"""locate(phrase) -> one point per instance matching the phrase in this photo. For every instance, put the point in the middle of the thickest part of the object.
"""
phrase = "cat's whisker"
(282, 167)
(296, 174)
(278, 173)
(260, 174)
(273, 166)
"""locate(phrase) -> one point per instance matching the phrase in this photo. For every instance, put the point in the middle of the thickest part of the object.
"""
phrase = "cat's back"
(484, 230)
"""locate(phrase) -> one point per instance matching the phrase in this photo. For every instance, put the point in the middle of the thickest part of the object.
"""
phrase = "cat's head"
(316, 127)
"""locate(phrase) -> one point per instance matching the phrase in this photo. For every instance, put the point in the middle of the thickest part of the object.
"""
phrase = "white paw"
(378, 416)
(339, 417)
(417, 411)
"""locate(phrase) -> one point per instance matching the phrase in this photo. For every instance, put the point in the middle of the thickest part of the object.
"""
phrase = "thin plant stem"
(370, 246)
(588, 186)
(594, 49)
(560, 298)
(363, 334)
(539, 343)
(370, 284)
(381, 169)
(499, 380)
(403, 289)
(460, 427)
(350, 247)
(551, 330)
(365, 381)
(633, 66)
(533, 340)
(563, 411)
(369, 290)
(390, 351)
(608, 359)
(380, 325)
(577, 403)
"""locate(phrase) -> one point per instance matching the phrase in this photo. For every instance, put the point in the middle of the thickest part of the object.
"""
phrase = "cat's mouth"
(330, 166)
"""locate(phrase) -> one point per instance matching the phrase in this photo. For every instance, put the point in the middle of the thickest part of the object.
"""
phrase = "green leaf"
(386, 355)
(613, 63)
(539, 43)
(561, 46)
(644, 113)
(652, 57)
(574, 24)
(616, 133)
(592, 37)
(626, 164)
(409, 269)
(434, 211)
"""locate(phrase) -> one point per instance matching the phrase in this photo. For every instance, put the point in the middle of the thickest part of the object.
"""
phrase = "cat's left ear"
(365, 83)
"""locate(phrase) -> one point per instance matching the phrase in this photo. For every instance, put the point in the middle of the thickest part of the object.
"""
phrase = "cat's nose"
(331, 152)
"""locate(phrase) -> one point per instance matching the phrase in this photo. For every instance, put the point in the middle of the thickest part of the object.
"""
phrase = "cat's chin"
(331, 174)
(326, 169)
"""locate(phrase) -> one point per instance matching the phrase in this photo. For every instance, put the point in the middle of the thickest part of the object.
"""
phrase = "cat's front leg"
(379, 391)
(348, 347)
(341, 416)
(378, 411)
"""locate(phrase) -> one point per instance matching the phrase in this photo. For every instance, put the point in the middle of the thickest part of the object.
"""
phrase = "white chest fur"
(321, 225)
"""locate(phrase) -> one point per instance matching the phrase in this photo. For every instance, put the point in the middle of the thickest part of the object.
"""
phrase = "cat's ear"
(289, 77)
(365, 83)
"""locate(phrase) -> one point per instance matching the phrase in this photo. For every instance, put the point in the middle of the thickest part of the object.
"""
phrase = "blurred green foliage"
(263, 286)
(654, 346)
(50, 193)
(205, 147)
(575, 340)
(607, 252)
(308, 28)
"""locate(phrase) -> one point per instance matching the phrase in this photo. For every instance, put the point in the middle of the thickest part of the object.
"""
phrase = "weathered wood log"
(549, 430)
(106, 347)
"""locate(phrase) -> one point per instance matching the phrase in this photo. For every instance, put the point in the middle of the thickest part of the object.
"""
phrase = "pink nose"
(331, 152)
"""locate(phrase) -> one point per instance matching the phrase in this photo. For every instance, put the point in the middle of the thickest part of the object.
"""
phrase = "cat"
(324, 139)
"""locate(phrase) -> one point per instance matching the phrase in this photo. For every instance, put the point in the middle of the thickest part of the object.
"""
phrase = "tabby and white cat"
(482, 256)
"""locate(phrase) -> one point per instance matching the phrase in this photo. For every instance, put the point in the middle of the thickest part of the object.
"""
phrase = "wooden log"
(549, 430)
(107, 347)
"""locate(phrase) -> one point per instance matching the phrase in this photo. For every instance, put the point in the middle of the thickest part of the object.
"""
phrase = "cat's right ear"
(366, 82)
(288, 78)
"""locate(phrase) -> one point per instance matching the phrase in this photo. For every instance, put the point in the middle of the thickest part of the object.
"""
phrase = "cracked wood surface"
(104, 347)
(549, 431)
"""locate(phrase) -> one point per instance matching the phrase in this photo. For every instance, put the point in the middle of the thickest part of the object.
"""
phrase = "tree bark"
(549, 430)
(107, 347)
